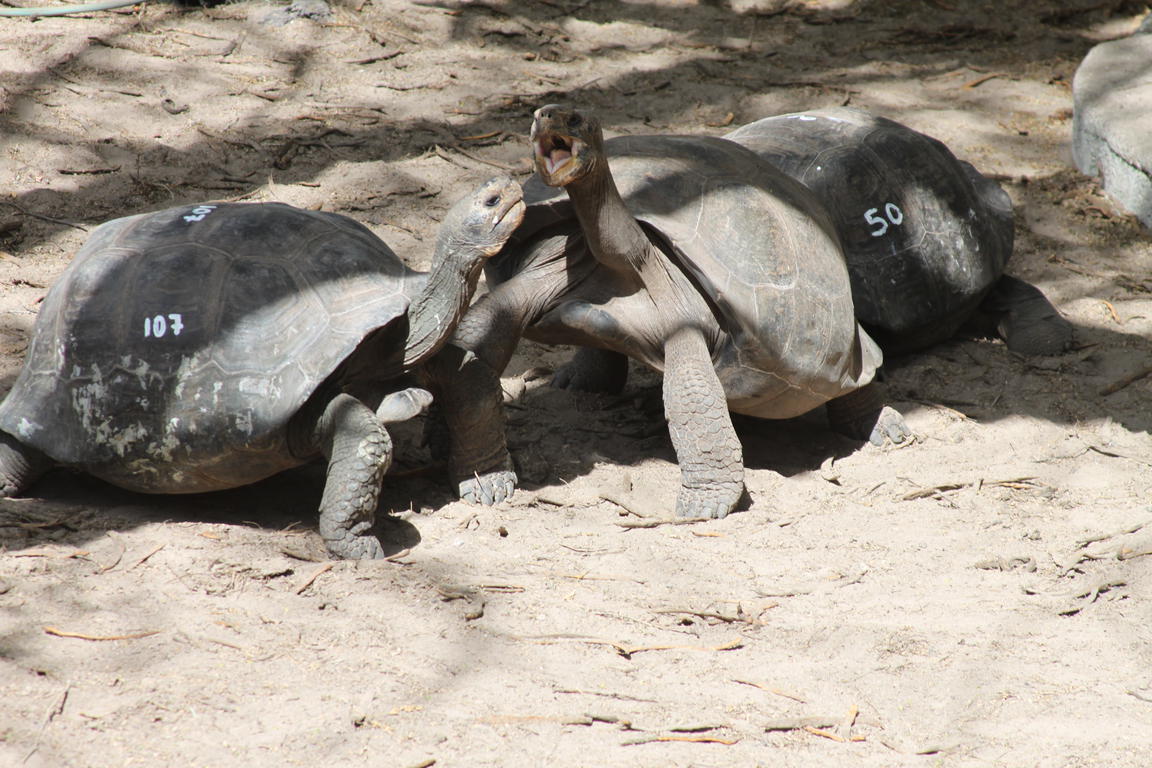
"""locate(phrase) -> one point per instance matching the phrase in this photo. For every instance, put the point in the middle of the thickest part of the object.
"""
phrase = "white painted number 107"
(199, 212)
(892, 213)
(161, 325)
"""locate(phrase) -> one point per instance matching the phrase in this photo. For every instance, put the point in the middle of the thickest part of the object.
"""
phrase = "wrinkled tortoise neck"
(447, 290)
(613, 234)
(617, 241)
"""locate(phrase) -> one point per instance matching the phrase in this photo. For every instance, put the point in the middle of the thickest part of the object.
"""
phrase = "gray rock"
(316, 10)
(1112, 124)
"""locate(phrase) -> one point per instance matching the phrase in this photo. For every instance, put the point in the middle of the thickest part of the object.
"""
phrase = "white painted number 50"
(892, 213)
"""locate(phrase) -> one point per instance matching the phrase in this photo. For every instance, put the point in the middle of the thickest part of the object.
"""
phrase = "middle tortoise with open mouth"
(696, 258)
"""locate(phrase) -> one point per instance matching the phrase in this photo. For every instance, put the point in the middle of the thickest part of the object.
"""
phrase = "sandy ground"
(977, 599)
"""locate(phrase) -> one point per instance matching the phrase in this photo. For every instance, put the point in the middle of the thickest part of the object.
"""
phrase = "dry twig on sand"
(151, 552)
(1126, 381)
(315, 575)
(769, 689)
(605, 694)
(801, 723)
(98, 638)
(740, 617)
(1119, 550)
(77, 553)
(820, 726)
(983, 79)
(938, 491)
(626, 504)
(657, 522)
(119, 555)
(691, 739)
(629, 651)
(1089, 591)
(842, 580)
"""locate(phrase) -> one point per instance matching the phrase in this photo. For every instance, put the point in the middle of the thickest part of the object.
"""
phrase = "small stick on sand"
(801, 723)
(1128, 380)
(155, 549)
(315, 575)
(983, 79)
(98, 638)
(655, 523)
(623, 503)
(692, 739)
(775, 691)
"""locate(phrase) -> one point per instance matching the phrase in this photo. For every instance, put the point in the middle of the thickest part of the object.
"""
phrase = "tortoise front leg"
(707, 448)
(20, 465)
(465, 375)
(471, 402)
(359, 452)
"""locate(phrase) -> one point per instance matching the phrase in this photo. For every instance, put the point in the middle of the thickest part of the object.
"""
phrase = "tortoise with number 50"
(926, 236)
(206, 347)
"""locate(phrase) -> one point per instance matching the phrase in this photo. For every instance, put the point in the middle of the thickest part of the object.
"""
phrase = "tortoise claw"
(356, 548)
(488, 488)
(20, 465)
(890, 428)
(706, 503)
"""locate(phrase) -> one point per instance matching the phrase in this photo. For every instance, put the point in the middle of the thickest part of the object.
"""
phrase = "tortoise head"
(480, 223)
(567, 144)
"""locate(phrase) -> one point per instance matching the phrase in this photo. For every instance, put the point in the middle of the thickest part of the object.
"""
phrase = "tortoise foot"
(1035, 331)
(891, 428)
(488, 488)
(403, 405)
(862, 415)
(707, 503)
(355, 548)
(1027, 321)
(20, 465)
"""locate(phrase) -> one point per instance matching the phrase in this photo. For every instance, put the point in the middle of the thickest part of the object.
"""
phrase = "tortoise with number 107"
(210, 346)
(925, 235)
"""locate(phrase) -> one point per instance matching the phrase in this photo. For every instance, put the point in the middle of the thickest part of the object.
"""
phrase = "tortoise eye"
(576, 120)
(492, 201)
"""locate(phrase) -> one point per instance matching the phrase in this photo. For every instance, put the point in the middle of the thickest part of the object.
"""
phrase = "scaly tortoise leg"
(465, 374)
(471, 402)
(359, 452)
(20, 465)
(707, 448)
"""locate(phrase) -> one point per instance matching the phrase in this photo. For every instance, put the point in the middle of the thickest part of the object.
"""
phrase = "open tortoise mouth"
(554, 151)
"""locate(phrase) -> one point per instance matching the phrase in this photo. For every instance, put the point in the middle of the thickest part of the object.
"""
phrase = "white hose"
(105, 5)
